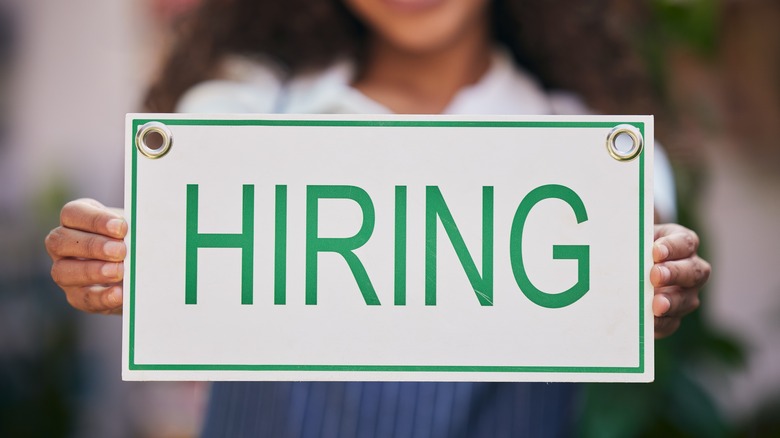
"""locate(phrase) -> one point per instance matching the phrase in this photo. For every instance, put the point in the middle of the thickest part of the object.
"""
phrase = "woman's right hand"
(87, 252)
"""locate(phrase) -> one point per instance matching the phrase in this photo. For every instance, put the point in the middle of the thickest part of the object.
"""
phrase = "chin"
(421, 42)
(420, 26)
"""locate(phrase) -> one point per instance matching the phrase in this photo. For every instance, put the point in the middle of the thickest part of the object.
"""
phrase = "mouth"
(412, 5)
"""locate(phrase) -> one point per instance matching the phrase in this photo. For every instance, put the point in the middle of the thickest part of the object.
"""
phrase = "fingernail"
(115, 296)
(665, 273)
(109, 270)
(668, 304)
(113, 249)
(663, 252)
(115, 226)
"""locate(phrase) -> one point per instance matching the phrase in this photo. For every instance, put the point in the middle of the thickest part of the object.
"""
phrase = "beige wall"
(82, 65)
(742, 207)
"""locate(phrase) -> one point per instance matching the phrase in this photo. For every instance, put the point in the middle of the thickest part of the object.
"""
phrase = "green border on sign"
(387, 368)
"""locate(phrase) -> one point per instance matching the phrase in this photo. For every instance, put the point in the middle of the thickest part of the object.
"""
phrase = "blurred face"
(420, 26)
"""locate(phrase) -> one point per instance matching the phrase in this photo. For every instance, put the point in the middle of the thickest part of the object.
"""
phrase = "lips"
(412, 5)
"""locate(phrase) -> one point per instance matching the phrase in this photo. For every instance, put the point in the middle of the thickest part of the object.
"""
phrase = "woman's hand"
(677, 275)
(87, 252)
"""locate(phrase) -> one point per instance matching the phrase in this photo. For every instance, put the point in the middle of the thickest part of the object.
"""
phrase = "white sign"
(433, 248)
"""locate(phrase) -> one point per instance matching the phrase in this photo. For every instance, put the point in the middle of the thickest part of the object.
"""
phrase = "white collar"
(503, 89)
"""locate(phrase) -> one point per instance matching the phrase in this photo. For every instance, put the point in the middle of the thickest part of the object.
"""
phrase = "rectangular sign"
(429, 248)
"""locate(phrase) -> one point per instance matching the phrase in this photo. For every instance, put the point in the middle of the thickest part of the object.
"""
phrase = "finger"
(675, 246)
(690, 272)
(96, 299)
(662, 230)
(91, 216)
(665, 326)
(661, 304)
(64, 242)
(73, 272)
(673, 301)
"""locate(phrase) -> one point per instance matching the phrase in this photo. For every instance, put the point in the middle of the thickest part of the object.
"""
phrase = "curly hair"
(583, 47)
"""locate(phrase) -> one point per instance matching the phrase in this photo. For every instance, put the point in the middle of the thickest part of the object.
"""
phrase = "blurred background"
(69, 71)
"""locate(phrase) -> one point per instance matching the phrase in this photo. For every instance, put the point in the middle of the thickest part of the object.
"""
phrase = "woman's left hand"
(677, 275)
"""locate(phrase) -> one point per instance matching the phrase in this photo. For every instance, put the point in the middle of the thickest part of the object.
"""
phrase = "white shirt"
(258, 87)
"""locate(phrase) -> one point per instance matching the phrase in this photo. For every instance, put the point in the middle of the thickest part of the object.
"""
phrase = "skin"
(87, 252)
(420, 58)
(423, 52)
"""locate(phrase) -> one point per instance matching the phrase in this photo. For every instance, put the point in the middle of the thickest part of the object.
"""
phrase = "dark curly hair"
(584, 47)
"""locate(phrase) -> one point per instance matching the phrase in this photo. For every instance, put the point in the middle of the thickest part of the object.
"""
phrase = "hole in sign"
(153, 140)
(624, 142)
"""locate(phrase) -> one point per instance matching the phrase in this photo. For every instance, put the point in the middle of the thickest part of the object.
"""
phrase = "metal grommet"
(625, 142)
(153, 139)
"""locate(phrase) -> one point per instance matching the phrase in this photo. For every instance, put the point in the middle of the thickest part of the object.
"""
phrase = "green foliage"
(691, 22)
(46, 206)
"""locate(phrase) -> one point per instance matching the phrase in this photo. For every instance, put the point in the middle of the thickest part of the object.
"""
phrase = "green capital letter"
(280, 247)
(244, 241)
(581, 253)
(345, 246)
(400, 245)
(436, 207)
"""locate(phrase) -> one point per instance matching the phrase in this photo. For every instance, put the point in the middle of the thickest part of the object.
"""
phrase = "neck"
(424, 82)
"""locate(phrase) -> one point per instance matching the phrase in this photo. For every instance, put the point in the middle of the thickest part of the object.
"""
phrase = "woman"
(402, 56)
